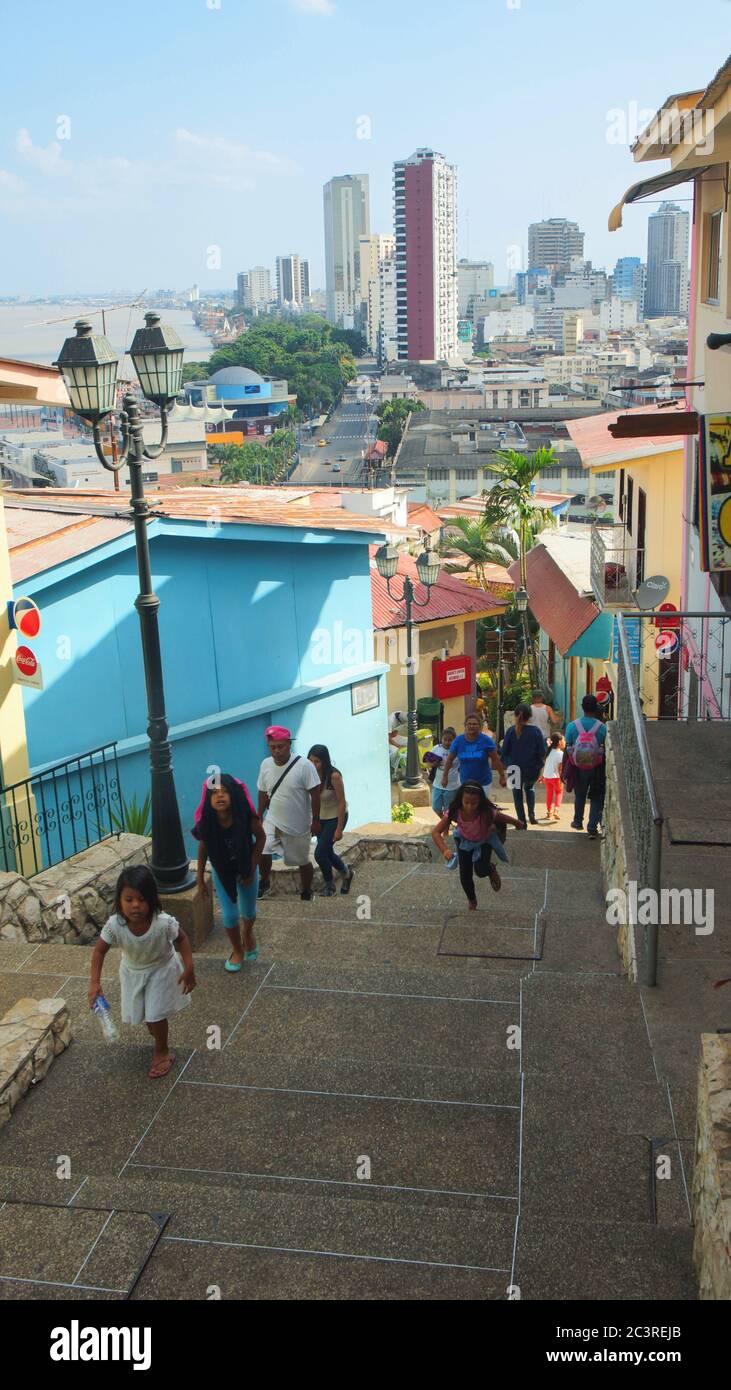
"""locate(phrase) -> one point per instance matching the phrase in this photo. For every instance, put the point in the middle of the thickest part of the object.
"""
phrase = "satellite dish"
(596, 505)
(652, 592)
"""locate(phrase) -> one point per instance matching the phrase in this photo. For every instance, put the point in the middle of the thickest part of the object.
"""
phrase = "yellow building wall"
(13, 747)
(429, 637)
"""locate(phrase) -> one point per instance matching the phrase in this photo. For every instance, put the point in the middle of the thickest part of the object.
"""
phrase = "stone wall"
(619, 864)
(712, 1175)
(71, 902)
(32, 1033)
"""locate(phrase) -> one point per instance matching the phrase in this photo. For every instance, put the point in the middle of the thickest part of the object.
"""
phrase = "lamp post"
(501, 627)
(427, 567)
(89, 368)
(521, 603)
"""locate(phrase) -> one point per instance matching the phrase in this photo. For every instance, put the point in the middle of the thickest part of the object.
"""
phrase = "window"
(630, 496)
(621, 494)
(176, 465)
(713, 258)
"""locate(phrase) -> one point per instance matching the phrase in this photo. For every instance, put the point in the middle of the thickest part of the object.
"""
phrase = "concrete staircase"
(404, 1104)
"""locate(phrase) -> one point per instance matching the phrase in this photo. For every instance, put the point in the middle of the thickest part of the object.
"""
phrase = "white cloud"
(48, 160)
(314, 6)
(217, 149)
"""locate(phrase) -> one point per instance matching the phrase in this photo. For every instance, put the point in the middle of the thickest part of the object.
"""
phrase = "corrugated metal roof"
(554, 602)
(449, 598)
(597, 446)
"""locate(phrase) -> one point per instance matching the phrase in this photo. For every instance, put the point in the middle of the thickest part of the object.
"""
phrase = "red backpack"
(587, 753)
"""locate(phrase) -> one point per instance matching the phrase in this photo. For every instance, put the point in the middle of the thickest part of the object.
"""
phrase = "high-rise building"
(293, 281)
(554, 244)
(387, 346)
(243, 290)
(347, 218)
(425, 220)
(474, 279)
(372, 249)
(628, 282)
(668, 231)
(254, 288)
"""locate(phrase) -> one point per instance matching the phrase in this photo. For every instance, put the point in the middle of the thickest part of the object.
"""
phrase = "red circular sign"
(26, 661)
(666, 643)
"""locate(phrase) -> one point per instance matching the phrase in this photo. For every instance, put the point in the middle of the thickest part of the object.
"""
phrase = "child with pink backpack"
(585, 740)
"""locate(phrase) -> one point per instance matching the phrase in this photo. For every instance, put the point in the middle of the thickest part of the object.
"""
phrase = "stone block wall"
(619, 865)
(70, 902)
(32, 1033)
(712, 1175)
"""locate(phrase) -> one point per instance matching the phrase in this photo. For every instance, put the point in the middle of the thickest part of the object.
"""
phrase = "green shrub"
(403, 812)
(134, 820)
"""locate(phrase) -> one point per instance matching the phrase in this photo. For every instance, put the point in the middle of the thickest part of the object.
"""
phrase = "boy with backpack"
(585, 740)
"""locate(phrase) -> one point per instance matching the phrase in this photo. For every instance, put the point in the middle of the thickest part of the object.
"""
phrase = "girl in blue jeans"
(333, 820)
(230, 834)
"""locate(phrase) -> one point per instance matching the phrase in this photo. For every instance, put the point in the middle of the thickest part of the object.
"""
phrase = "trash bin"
(430, 713)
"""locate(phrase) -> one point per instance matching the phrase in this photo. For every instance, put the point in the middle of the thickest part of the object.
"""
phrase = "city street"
(348, 432)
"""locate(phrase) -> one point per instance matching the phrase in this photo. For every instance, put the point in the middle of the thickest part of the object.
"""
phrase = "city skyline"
(87, 136)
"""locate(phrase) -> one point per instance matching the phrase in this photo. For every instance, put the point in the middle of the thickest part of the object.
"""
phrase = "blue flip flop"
(232, 969)
(251, 955)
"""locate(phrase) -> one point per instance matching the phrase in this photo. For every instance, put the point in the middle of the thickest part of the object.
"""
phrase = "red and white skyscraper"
(425, 223)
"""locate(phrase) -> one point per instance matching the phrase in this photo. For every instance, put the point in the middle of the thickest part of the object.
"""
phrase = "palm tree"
(510, 503)
(478, 544)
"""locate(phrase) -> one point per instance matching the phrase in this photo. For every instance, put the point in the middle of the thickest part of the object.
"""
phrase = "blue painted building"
(255, 400)
(255, 596)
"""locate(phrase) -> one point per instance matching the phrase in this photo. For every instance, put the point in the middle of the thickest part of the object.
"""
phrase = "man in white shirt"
(289, 805)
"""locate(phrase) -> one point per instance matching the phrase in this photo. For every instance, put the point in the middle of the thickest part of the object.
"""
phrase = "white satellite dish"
(596, 505)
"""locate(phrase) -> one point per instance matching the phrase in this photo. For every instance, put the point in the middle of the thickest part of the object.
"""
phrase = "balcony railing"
(60, 811)
(617, 566)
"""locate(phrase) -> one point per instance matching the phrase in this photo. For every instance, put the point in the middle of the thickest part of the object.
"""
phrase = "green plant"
(134, 820)
(403, 812)
(517, 694)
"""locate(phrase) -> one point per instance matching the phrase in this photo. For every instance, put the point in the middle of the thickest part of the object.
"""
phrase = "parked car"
(337, 468)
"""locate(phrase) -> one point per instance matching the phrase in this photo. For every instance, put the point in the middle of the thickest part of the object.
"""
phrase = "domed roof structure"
(235, 376)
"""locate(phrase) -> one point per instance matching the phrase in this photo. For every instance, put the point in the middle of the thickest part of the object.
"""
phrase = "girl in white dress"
(156, 971)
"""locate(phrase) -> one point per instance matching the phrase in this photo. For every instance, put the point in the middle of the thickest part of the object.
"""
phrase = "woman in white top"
(541, 714)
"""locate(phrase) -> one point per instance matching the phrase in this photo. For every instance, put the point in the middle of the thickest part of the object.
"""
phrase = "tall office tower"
(425, 220)
(629, 281)
(387, 345)
(260, 287)
(554, 244)
(474, 279)
(668, 232)
(243, 290)
(372, 250)
(293, 280)
(347, 218)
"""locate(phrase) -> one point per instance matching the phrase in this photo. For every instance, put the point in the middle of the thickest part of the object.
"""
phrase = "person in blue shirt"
(524, 752)
(477, 754)
(589, 782)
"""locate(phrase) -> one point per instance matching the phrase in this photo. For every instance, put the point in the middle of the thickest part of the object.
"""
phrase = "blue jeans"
(325, 854)
(589, 782)
(530, 796)
(441, 796)
(245, 905)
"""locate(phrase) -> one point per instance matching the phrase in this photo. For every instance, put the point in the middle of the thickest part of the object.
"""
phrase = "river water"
(26, 334)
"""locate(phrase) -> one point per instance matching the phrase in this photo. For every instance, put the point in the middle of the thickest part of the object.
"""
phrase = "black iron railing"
(644, 805)
(616, 566)
(60, 811)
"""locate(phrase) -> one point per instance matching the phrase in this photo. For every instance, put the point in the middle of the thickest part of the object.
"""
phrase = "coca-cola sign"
(27, 668)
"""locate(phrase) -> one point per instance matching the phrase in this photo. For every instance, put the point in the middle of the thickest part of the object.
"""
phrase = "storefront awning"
(647, 187)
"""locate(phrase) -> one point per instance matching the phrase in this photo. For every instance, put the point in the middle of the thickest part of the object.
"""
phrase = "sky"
(157, 145)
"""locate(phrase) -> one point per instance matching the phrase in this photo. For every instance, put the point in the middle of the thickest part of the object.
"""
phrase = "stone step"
(573, 1260)
(589, 1026)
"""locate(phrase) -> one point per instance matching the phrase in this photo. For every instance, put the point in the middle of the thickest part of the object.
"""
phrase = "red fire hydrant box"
(452, 677)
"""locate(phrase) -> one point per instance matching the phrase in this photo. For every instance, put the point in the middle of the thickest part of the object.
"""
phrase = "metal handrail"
(649, 849)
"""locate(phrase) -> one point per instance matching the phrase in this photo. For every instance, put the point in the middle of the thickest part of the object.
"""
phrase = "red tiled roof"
(424, 517)
(449, 598)
(597, 446)
(554, 602)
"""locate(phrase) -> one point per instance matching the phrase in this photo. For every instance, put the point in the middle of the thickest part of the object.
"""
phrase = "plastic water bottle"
(103, 1013)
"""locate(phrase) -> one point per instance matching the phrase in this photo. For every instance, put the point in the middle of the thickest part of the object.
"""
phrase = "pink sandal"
(154, 1073)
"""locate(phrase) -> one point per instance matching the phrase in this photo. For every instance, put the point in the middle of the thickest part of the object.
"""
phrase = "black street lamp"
(427, 568)
(89, 368)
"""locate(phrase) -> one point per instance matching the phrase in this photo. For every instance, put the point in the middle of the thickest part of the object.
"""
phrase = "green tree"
(392, 416)
(473, 544)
